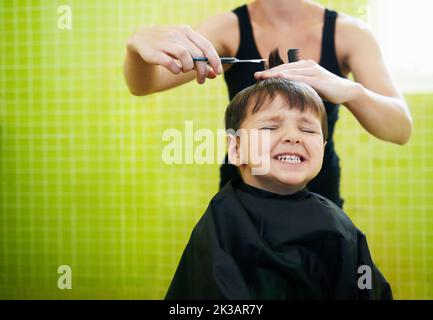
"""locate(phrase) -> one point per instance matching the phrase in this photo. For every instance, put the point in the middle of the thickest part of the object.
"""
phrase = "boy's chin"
(291, 183)
(290, 179)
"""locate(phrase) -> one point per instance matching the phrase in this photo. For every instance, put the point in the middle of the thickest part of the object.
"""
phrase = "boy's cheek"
(316, 147)
(255, 148)
(244, 154)
(253, 157)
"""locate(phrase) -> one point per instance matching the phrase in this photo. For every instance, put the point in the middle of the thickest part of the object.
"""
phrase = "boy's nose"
(292, 137)
(293, 140)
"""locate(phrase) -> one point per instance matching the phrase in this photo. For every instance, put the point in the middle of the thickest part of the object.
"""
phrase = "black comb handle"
(293, 55)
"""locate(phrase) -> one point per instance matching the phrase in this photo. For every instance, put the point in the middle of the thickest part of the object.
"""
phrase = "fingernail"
(220, 69)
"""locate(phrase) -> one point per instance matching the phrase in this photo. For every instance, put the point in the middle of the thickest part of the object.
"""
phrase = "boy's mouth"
(293, 158)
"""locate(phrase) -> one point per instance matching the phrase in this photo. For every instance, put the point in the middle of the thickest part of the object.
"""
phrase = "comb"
(275, 59)
(293, 55)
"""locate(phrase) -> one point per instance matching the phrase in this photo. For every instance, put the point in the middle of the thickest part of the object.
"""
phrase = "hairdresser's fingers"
(309, 72)
(200, 67)
(210, 73)
(139, 43)
(169, 63)
(154, 44)
(207, 48)
(148, 41)
(184, 57)
(161, 58)
(173, 47)
(192, 50)
(188, 39)
(297, 64)
(301, 64)
(188, 64)
(308, 80)
(181, 54)
(202, 70)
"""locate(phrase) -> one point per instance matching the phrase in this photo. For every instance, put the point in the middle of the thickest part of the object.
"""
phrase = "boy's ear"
(233, 151)
(324, 144)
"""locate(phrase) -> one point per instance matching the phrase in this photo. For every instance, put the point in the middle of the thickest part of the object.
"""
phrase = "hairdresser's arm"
(375, 101)
(160, 58)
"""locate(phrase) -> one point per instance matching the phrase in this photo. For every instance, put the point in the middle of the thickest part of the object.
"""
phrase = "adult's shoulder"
(352, 35)
(222, 30)
(349, 26)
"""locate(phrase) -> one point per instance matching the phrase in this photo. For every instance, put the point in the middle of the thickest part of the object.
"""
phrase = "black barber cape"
(254, 244)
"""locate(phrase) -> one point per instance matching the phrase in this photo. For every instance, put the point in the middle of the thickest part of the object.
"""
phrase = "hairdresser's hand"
(330, 87)
(173, 48)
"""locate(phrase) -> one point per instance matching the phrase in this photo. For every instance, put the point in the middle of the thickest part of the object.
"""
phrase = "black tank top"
(241, 75)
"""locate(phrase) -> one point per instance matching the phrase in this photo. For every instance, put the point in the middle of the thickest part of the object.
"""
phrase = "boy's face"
(294, 154)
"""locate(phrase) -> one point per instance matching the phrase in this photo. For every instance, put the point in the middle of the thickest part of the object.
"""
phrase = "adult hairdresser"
(331, 46)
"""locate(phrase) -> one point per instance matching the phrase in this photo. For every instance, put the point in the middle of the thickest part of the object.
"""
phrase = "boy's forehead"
(280, 108)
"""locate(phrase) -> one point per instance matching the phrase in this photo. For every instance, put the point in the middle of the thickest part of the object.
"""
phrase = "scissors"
(231, 60)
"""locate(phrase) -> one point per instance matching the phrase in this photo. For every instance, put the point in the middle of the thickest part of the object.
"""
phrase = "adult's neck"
(282, 12)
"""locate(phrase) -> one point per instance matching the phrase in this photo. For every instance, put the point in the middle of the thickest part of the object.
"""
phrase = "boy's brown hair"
(297, 95)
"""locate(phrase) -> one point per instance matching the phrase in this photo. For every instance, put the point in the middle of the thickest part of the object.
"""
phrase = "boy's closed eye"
(269, 128)
(303, 129)
(306, 125)
(309, 130)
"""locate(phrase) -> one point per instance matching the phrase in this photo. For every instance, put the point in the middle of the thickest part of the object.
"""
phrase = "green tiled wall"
(82, 182)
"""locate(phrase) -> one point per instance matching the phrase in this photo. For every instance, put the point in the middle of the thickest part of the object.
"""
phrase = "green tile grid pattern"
(81, 178)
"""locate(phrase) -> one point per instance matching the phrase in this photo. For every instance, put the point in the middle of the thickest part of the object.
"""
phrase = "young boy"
(266, 236)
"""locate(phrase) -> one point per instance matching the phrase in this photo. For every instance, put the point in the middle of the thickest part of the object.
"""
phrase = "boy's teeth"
(289, 158)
